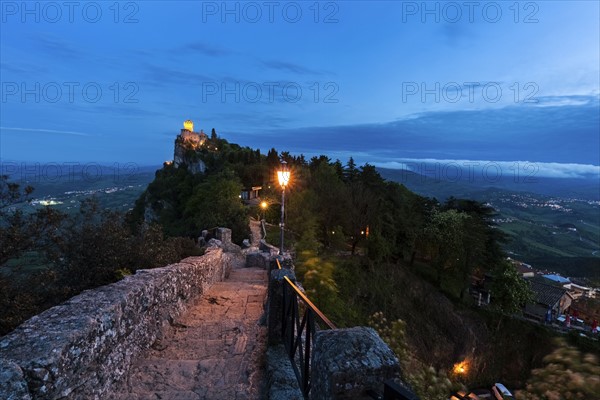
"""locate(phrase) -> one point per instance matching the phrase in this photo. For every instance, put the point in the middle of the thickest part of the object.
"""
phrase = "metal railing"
(298, 328)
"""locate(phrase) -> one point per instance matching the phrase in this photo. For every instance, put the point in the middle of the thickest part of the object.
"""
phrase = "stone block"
(348, 362)
(12, 383)
(281, 380)
(268, 248)
(257, 260)
(223, 234)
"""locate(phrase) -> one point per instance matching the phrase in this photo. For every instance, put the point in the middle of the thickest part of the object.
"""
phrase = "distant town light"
(50, 202)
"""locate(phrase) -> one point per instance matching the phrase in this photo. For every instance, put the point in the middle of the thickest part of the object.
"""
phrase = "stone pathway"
(256, 230)
(215, 351)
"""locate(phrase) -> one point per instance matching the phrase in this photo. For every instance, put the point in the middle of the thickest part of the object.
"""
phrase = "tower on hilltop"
(189, 140)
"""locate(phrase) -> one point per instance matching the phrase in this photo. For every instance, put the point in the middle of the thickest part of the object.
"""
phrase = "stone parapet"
(80, 348)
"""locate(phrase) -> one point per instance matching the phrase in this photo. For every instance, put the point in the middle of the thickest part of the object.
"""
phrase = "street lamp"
(284, 178)
(264, 205)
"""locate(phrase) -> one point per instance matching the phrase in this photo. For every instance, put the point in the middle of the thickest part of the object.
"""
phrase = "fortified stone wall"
(80, 348)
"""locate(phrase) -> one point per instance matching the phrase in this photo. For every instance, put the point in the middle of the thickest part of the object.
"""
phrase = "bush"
(567, 374)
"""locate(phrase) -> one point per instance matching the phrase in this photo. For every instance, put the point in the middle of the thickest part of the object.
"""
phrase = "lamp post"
(284, 177)
(264, 205)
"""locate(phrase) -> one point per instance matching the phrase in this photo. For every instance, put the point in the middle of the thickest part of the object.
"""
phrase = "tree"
(216, 202)
(446, 236)
(350, 172)
(81, 252)
(20, 232)
(510, 292)
(273, 159)
(567, 374)
(331, 199)
(10, 192)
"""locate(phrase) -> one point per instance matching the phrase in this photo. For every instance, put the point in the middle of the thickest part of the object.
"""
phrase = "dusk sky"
(382, 81)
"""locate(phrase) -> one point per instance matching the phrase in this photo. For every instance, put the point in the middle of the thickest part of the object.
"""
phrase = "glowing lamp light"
(263, 205)
(461, 368)
(283, 175)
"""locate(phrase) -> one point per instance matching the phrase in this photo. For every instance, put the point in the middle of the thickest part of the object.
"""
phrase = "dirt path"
(214, 352)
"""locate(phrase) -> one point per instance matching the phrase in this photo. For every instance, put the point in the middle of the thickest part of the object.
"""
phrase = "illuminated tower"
(188, 125)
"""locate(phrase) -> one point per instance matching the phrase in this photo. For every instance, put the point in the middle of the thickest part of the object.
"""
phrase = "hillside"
(559, 232)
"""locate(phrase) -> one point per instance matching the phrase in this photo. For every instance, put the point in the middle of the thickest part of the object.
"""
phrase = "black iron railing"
(298, 328)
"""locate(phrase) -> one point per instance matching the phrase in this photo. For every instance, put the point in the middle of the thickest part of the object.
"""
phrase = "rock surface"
(12, 382)
(281, 379)
(187, 152)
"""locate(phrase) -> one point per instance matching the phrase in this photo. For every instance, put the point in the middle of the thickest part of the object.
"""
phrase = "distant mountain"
(56, 179)
(115, 186)
(432, 186)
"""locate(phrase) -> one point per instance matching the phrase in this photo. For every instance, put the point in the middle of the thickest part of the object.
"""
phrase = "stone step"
(214, 351)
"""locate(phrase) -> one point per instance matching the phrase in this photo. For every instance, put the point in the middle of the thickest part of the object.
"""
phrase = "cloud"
(560, 101)
(162, 76)
(454, 33)
(563, 134)
(5, 67)
(207, 49)
(507, 168)
(55, 47)
(291, 67)
(60, 132)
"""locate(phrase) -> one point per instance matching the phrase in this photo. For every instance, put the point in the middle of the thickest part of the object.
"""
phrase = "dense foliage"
(567, 374)
(184, 203)
(48, 256)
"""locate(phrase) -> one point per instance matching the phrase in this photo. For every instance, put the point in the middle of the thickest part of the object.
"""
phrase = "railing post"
(275, 306)
(310, 331)
(346, 363)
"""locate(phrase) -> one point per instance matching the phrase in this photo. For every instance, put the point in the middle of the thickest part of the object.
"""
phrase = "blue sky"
(381, 81)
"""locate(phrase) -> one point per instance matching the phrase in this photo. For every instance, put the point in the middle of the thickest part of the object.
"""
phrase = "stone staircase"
(215, 351)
